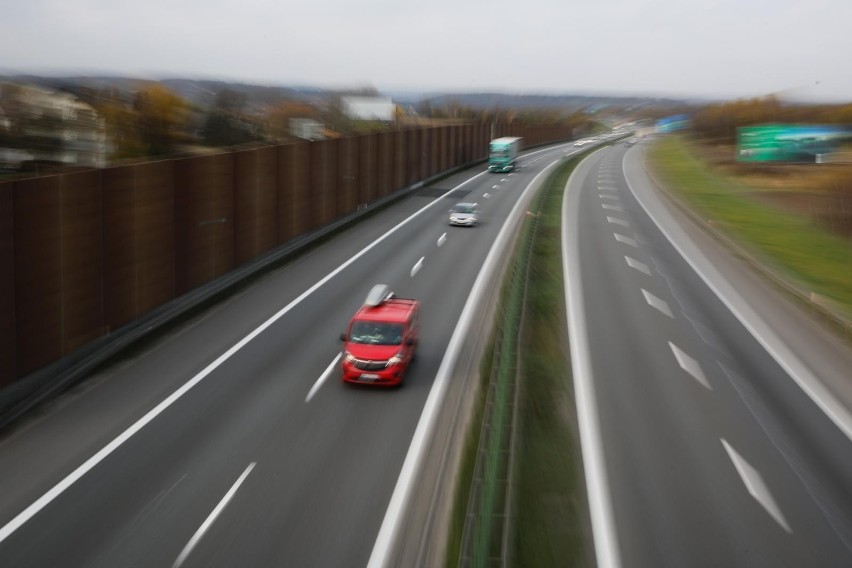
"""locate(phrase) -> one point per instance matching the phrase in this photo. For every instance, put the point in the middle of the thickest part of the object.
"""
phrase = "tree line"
(718, 123)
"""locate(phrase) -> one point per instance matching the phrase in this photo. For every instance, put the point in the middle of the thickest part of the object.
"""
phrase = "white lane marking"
(612, 207)
(324, 377)
(417, 266)
(626, 240)
(690, 365)
(90, 463)
(756, 486)
(392, 523)
(608, 196)
(442, 239)
(495, 187)
(486, 195)
(607, 188)
(502, 180)
(640, 266)
(210, 519)
(617, 221)
(769, 426)
(777, 348)
(656, 302)
(591, 441)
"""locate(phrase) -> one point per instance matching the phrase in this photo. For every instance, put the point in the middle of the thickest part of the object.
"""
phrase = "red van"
(381, 339)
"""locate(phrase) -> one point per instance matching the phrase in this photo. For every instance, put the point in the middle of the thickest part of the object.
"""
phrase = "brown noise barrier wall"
(86, 254)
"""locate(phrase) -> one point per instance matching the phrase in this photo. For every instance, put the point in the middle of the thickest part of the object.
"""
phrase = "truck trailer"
(502, 153)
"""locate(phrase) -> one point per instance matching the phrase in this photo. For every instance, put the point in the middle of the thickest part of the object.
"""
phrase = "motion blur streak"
(57, 490)
(380, 557)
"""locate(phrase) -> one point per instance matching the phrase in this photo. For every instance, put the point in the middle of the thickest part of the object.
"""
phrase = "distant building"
(368, 108)
(307, 128)
(52, 126)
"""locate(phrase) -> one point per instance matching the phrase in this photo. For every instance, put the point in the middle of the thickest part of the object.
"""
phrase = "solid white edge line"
(755, 325)
(391, 525)
(591, 442)
(324, 377)
(37, 505)
(205, 526)
(75, 475)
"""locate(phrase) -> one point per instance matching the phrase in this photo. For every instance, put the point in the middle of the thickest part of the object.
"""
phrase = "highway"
(231, 441)
(715, 418)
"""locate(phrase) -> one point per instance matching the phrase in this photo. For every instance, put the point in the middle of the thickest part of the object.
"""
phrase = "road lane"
(324, 470)
(711, 452)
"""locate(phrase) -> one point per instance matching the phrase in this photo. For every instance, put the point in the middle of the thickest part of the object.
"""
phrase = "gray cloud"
(723, 48)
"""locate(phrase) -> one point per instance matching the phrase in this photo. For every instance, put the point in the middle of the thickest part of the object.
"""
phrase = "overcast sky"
(704, 48)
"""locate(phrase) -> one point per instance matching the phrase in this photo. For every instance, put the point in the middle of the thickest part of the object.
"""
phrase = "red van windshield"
(376, 333)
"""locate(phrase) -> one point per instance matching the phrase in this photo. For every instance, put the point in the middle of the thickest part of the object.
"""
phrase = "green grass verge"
(804, 252)
(468, 463)
(509, 301)
(551, 512)
(550, 505)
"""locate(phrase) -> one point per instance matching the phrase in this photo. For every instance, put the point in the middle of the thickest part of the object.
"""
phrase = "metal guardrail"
(21, 396)
(488, 518)
(24, 392)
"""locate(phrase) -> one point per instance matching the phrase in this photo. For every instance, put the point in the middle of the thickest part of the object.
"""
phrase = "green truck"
(502, 153)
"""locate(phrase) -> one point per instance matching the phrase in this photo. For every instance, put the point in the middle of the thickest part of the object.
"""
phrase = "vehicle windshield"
(465, 208)
(376, 333)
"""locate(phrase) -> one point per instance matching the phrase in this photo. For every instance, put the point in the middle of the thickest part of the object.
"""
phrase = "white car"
(464, 214)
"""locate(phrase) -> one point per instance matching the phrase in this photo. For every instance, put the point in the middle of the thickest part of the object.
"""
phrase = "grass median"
(550, 520)
(551, 525)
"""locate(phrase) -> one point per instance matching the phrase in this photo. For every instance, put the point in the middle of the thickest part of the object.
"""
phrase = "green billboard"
(789, 142)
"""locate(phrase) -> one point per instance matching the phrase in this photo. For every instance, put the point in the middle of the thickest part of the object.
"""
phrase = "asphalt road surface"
(715, 417)
(231, 441)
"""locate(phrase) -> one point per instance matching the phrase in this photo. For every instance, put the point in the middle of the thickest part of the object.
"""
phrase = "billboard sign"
(790, 142)
(673, 123)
